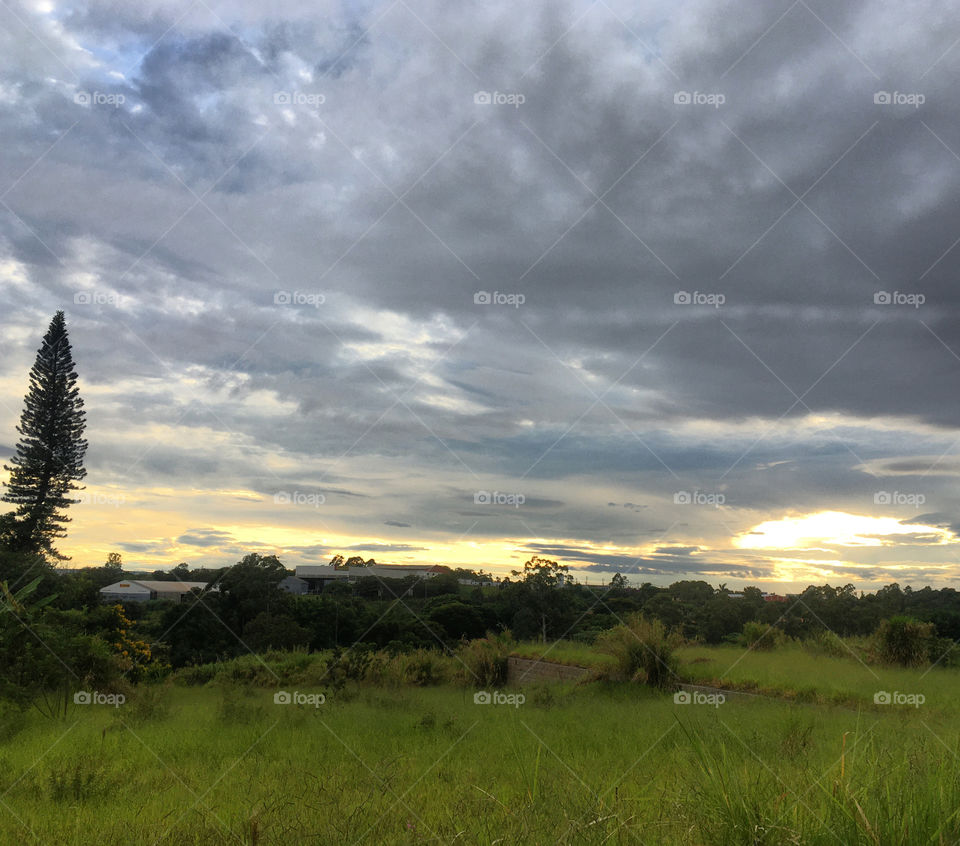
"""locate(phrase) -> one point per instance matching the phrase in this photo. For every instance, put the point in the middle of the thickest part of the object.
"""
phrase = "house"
(291, 584)
(143, 590)
(318, 576)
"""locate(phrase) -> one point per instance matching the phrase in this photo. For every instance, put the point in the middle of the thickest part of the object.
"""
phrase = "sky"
(660, 288)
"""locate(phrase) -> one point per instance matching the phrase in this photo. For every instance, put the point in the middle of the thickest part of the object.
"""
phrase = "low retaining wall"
(523, 671)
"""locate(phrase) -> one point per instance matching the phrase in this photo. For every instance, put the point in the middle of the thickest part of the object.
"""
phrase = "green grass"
(221, 763)
(795, 672)
(565, 652)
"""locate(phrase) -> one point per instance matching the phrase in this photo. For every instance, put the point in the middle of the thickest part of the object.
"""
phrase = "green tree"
(540, 583)
(250, 587)
(46, 654)
(618, 585)
(49, 455)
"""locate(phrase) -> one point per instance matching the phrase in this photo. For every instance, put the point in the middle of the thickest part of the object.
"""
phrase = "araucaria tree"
(49, 457)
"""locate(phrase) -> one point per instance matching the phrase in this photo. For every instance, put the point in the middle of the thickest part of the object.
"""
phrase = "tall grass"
(643, 651)
(389, 759)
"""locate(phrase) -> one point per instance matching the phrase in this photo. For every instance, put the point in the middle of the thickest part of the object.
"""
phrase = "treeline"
(247, 612)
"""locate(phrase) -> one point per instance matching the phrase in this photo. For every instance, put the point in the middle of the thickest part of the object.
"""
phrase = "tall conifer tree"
(49, 457)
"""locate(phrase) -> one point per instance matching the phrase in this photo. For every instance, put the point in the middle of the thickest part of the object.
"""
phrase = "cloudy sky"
(668, 289)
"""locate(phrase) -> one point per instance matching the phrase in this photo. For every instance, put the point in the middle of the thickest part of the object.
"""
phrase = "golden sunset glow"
(831, 528)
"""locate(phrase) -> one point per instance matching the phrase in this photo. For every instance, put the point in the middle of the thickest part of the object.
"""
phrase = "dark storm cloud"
(205, 537)
(257, 291)
(153, 547)
(676, 563)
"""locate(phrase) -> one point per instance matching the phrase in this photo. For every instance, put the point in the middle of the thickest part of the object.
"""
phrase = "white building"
(318, 576)
(140, 590)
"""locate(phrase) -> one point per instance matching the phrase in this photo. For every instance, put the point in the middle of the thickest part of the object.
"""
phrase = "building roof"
(157, 585)
(317, 571)
(325, 571)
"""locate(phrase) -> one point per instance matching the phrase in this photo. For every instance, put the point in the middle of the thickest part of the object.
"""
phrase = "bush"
(343, 665)
(760, 636)
(908, 642)
(422, 667)
(199, 674)
(484, 661)
(643, 650)
(825, 642)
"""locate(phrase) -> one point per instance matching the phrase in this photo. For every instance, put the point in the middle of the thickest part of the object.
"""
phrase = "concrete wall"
(523, 671)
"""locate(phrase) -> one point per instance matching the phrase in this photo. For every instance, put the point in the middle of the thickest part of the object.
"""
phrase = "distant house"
(292, 584)
(774, 597)
(318, 576)
(143, 590)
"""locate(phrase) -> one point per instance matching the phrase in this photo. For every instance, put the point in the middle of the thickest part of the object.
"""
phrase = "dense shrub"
(762, 636)
(827, 643)
(643, 649)
(484, 661)
(908, 642)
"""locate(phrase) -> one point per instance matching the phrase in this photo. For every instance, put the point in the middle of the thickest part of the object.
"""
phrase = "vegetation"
(643, 651)
(388, 759)
(380, 709)
(49, 455)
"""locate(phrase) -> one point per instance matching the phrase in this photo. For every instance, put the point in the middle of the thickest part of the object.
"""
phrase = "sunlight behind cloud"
(831, 528)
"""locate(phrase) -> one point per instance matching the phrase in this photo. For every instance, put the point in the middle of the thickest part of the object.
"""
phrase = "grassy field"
(796, 672)
(600, 763)
(564, 652)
